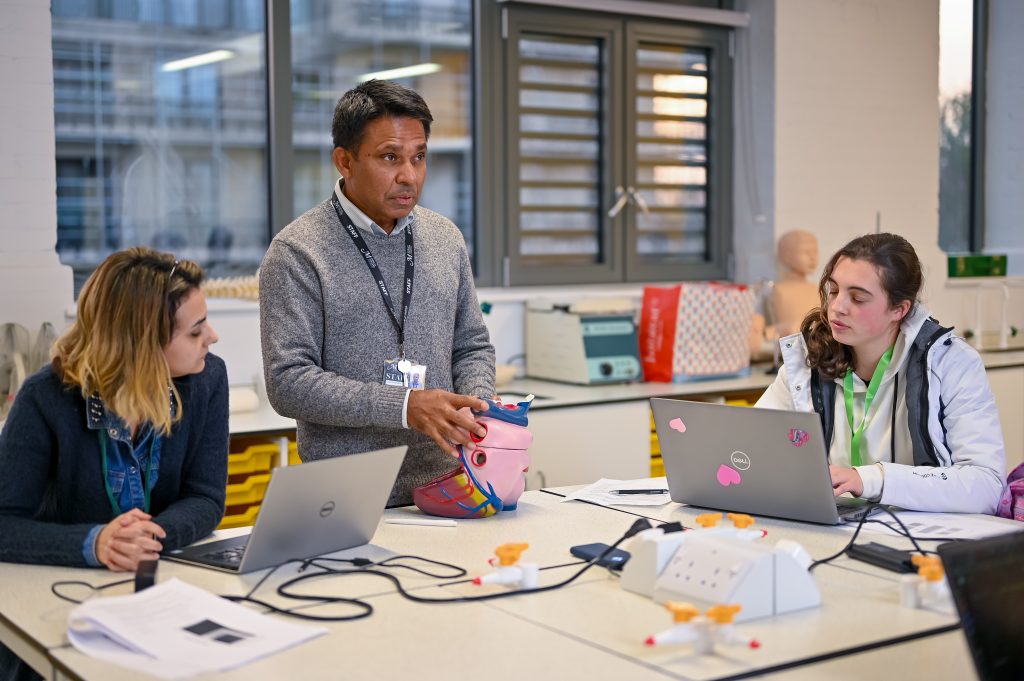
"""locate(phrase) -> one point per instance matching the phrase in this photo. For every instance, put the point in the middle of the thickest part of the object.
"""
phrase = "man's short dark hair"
(372, 100)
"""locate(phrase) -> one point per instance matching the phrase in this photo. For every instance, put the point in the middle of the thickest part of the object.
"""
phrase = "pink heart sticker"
(728, 476)
(677, 425)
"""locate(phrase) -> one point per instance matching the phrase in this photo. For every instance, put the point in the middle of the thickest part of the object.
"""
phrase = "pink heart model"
(728, 476)
(677, 425)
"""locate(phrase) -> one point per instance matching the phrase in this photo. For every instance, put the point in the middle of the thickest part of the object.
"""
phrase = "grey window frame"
(720, 151)
(979, 82)
(497, 182)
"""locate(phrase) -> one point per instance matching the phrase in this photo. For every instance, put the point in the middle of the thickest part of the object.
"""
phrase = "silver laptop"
(759, 461)
(308, 510)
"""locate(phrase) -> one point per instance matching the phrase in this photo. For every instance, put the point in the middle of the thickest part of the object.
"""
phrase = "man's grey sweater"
(326, 335)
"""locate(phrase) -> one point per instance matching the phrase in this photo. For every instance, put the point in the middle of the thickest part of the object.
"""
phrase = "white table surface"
(591, 629)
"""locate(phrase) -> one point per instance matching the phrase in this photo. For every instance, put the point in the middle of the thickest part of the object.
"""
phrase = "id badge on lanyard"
(400, 371)
(404, 373)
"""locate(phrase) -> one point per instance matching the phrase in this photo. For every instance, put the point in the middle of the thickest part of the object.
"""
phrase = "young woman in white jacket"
(905, 405)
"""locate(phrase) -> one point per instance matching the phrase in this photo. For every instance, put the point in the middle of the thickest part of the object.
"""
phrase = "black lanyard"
(371, 263)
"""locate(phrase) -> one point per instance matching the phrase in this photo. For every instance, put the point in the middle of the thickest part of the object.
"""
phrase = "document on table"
(938, 525)
(603, 492)
(175, 630)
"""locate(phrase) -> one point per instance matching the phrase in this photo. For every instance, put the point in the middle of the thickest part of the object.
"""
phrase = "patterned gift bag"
(695, 331)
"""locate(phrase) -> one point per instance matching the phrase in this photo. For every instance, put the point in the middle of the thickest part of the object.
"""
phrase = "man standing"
(368, 294)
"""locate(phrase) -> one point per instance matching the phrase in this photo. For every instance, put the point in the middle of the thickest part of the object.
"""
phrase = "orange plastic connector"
(708, 519)
(931, 573)
(508, 554)
(723, 614)
(920, 560)
(681, 612)
(741, 520)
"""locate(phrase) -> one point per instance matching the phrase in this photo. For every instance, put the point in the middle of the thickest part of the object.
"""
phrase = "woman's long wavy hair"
(899, 271)
(126, 312)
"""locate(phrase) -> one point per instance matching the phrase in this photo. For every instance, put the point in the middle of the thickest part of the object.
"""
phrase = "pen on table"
(639, 491)
(413, 520)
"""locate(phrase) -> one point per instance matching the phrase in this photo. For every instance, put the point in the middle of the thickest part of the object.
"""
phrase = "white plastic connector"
(523, 575)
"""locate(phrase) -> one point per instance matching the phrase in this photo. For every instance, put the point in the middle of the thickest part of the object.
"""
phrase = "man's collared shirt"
(127, 463)
(362, 220)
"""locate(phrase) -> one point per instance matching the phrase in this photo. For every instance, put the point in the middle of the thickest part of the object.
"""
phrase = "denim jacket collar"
(98, 417)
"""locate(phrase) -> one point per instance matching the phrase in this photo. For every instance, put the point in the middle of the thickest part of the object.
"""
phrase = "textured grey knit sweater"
(326, 336)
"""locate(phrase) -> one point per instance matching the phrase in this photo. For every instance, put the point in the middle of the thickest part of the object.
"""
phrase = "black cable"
(282, 589)
(863, 519)
(364, 566)
(91, 587)
(392, 563)
(367, 609)
(843, 550)
(906, 530)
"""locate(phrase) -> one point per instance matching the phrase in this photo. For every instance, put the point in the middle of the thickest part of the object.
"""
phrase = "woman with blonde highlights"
(117, 451)
(906, 410)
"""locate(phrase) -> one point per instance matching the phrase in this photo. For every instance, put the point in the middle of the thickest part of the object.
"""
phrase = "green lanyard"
(102, 434)
(876, 380)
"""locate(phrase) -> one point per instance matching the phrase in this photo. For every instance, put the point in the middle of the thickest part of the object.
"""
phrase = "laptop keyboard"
(229, 556)
(851, 513)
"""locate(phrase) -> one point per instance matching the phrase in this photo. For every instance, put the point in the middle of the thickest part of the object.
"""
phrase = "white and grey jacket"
(956, 461)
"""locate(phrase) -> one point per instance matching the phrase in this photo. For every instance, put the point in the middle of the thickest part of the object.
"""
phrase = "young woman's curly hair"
(899, 271)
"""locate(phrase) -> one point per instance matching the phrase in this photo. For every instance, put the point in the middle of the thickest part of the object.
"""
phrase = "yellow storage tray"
(657, 467)
(253, 459)
(245, 519)
(293, 454)
(655, 445)
(249, 492)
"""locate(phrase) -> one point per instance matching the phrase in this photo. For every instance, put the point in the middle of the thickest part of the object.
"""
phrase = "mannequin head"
(798, 252)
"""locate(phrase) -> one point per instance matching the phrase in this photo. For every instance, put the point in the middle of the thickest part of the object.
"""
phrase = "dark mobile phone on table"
(588, 552)
(145, 574)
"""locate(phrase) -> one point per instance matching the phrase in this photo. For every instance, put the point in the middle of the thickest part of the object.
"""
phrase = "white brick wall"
(857, 123)
(34, 286)
(856, 131)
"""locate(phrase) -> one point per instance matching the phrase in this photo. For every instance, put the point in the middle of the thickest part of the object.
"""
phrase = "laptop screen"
(987, 581)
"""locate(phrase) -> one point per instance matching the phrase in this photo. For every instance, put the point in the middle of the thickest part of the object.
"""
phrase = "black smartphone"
(614, 560)
(145, 574)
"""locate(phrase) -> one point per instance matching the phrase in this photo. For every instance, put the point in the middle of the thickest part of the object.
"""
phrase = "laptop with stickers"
(759, 461)
(308, 510)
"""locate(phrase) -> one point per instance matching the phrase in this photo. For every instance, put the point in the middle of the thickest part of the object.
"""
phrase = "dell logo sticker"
(327, 509)
(740, 460)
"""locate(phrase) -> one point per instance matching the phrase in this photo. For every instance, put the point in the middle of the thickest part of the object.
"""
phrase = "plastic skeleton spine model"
(492, 475)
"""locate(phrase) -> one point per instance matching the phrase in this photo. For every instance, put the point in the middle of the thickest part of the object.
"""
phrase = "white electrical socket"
(649, 551)
(714, 569)
(710, 569)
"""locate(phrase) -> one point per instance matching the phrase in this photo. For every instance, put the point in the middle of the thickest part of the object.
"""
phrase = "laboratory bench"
(590, 629)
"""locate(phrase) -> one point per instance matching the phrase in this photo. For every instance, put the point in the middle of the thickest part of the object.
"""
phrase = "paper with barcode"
(175, 630)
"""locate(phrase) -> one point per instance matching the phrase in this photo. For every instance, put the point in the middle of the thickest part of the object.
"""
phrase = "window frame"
(719, 141)
(497, 164)
(493, 237)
